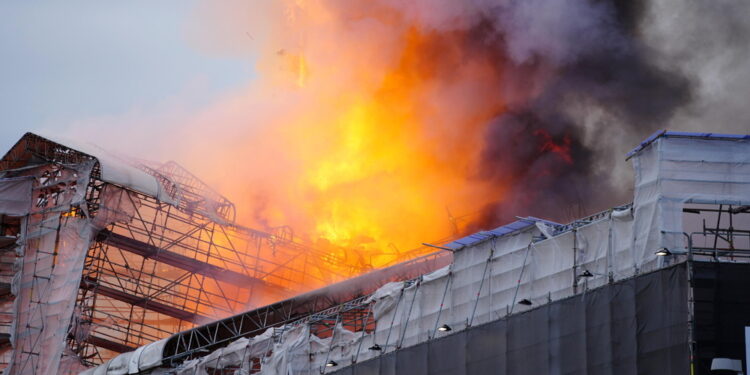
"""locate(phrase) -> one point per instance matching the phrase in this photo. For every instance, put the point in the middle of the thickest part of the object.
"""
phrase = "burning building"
(103, 254)
(133, 267)
(371, 126)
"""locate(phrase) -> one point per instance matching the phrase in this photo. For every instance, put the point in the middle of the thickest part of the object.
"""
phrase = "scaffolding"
(473, 290)
(688, 207)
(343, 297)
(131, 251)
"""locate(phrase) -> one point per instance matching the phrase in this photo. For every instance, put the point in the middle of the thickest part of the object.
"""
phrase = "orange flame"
(561, 149)
(360, 133)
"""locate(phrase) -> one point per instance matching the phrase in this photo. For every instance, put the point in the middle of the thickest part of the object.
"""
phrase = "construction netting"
(56, 232)
(678, 169)
(595, 317)
(486, 282)
(103, 254)
(635, 326)
(51, 248)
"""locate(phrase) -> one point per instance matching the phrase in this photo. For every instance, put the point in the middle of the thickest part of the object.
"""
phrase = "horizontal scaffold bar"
(180, 261)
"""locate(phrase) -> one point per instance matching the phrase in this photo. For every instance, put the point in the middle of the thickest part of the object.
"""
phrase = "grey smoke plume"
(612, 72)
(574, 85)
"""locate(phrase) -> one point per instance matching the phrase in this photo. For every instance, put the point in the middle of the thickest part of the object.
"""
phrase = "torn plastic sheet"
(233, 355)
(385, 298)
(151, 355)
(118, 172)
(239, 353)
(54, 248)
(119, 365)
(115, 205)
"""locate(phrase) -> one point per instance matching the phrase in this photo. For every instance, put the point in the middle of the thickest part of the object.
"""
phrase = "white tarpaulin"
(117, 171)
(54, 247)
(674, 170)
(525, 264)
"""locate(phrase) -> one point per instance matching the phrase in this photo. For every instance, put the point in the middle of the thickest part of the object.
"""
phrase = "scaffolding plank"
(180, 261)
(145, 303)
(109, 344)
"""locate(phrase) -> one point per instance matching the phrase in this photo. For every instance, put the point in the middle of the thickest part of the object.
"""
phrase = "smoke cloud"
(377, 125)
(598, 65)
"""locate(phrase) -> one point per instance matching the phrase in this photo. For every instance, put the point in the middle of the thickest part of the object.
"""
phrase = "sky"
(63, 63)
(225, 87)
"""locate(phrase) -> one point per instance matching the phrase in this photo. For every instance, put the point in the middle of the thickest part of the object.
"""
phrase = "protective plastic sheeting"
(673, 169)
(539, 297)
(612, 330)
(116, 171)
(54, 245)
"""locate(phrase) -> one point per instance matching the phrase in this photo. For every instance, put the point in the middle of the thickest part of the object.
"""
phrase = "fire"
(358, 138)
(561, 149)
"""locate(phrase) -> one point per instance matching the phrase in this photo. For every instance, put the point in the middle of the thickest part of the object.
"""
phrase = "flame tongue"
(379, 125)
(382, 157)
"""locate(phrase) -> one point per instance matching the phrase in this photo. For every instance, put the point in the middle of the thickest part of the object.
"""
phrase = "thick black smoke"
(545, 146)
